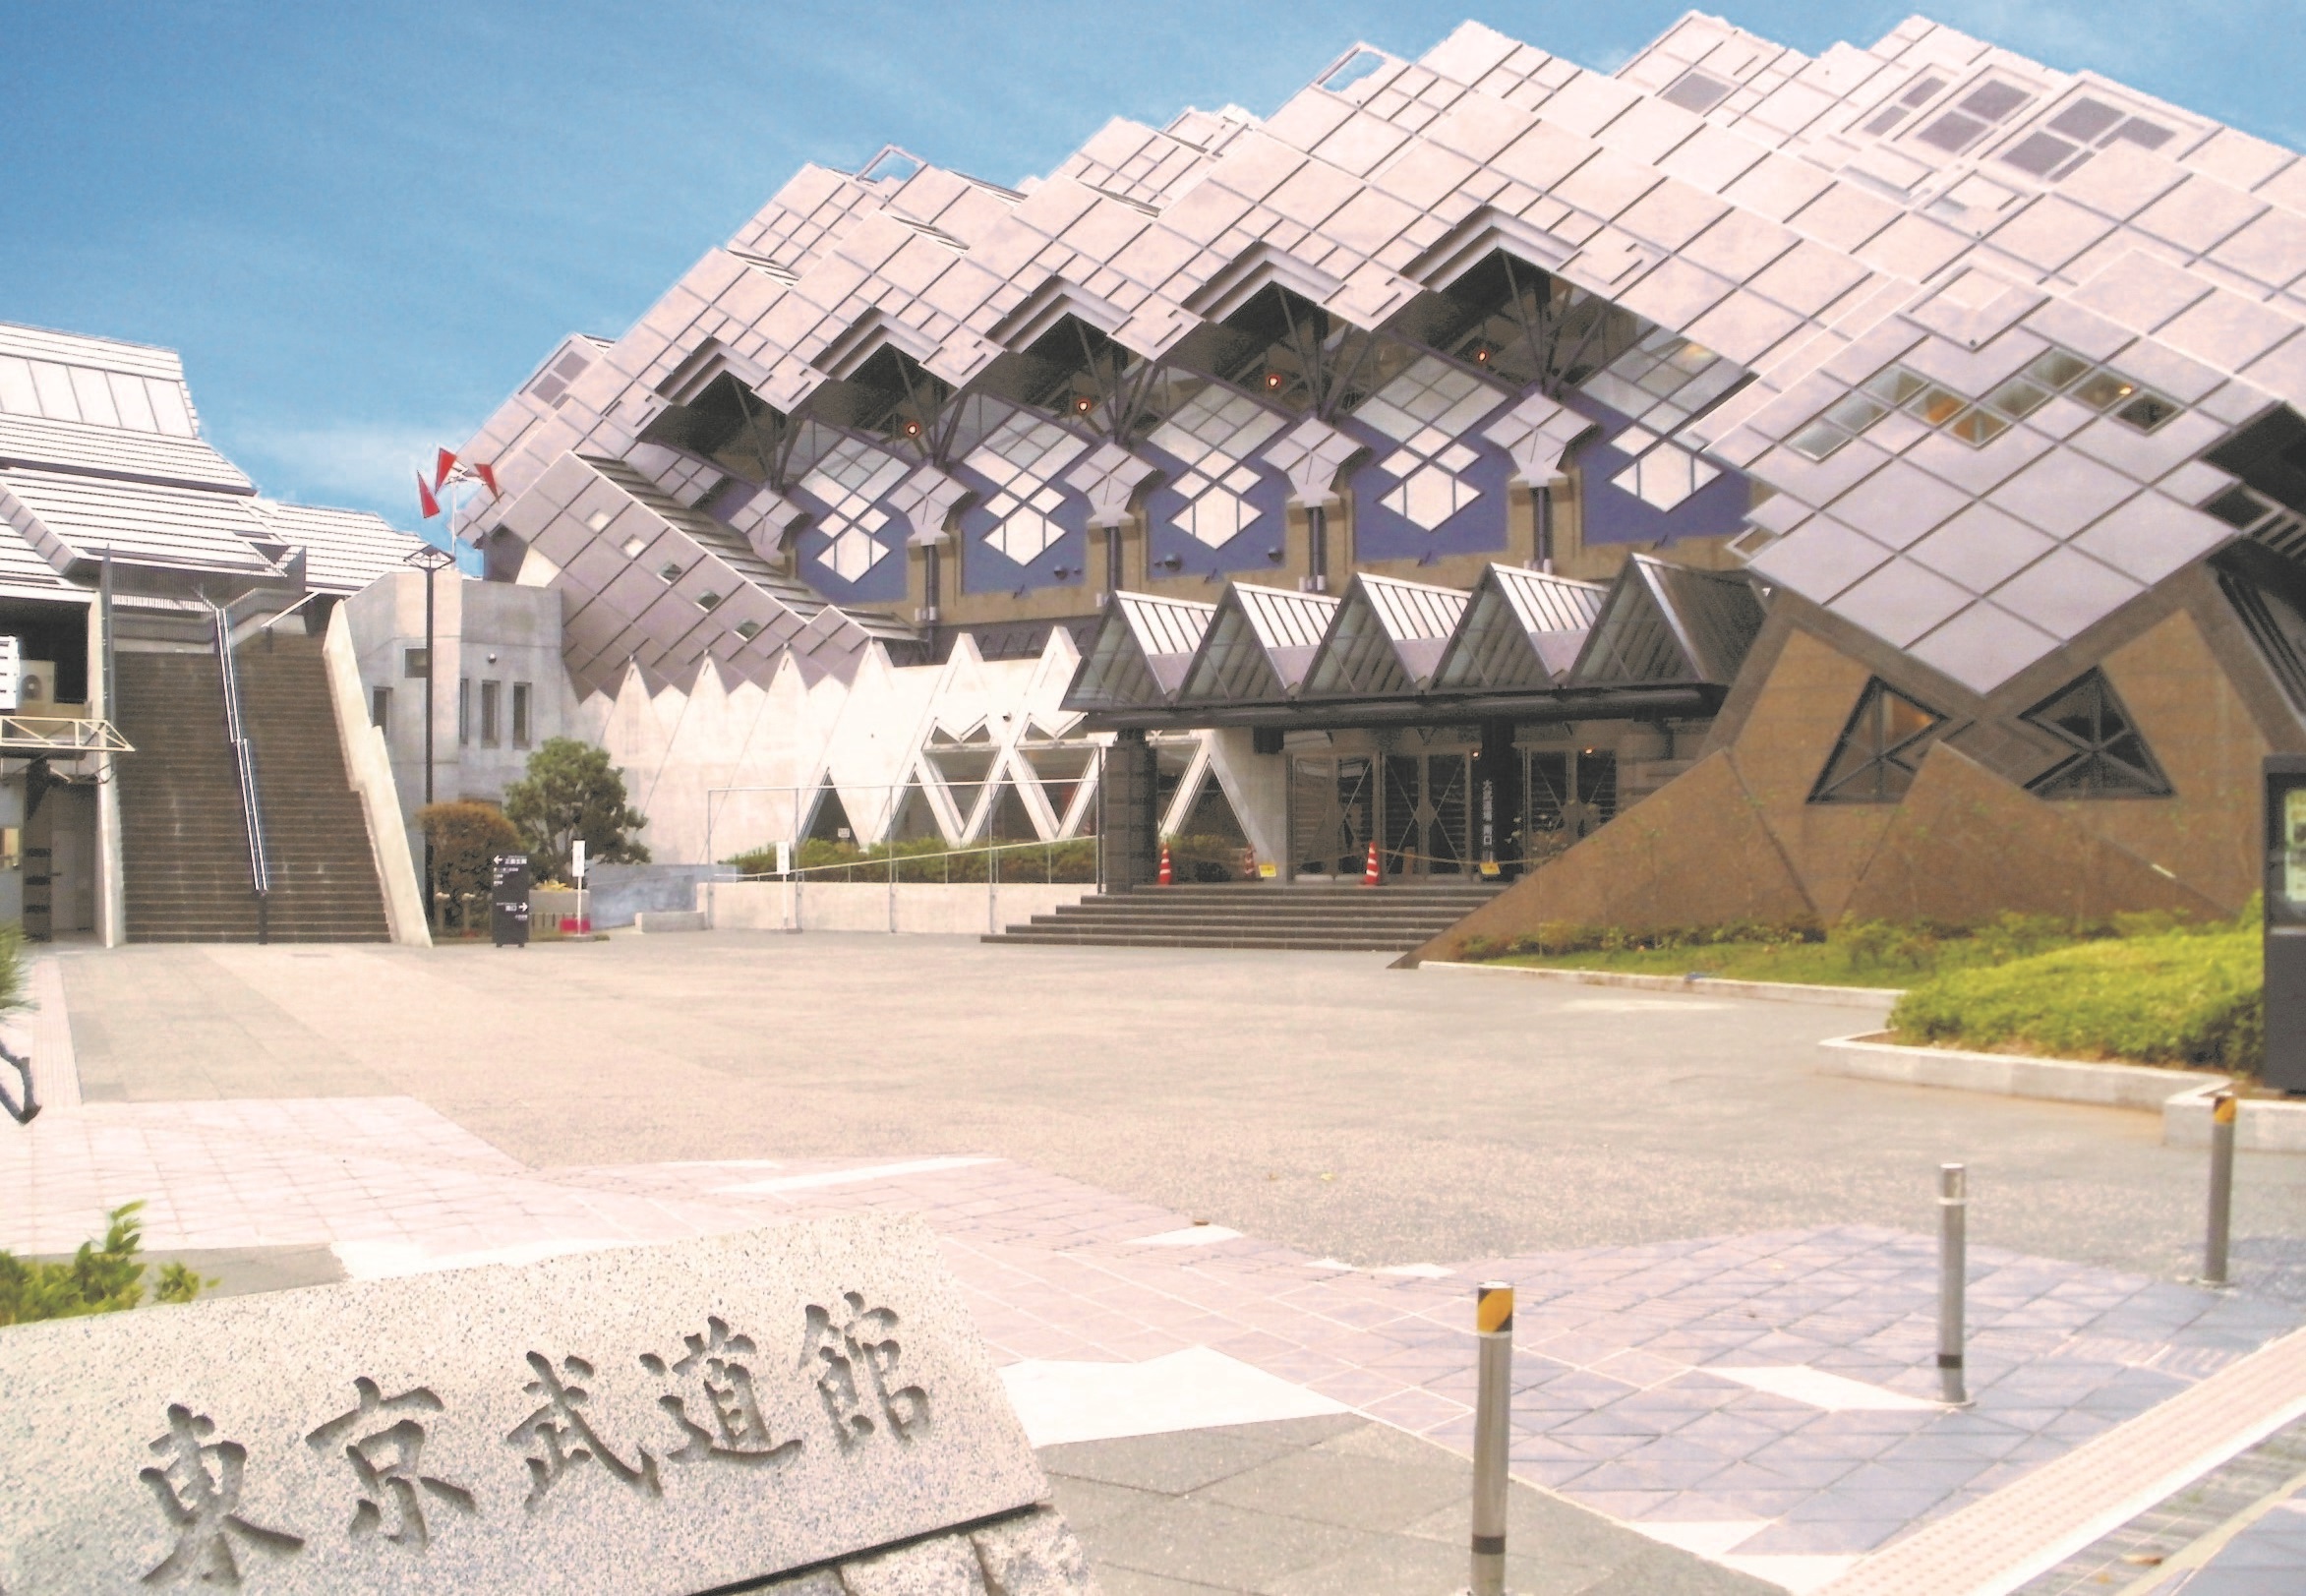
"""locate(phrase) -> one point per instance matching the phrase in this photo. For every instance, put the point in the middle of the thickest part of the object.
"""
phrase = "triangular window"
(1880, 749)
(2110, 758)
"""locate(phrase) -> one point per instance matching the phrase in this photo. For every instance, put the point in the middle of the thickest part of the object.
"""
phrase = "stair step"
(184, 837)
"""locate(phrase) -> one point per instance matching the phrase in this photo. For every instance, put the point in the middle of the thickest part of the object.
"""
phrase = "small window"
(1992, 101)
(2146, 412)
(2102, 389)
(2084, 119)
(2110, 758)
(1697, 90)
(416, 663)
(1922, 91)
(491, 692)
(1952, 133)
(669, 572)
(464, 712)
(748, 629)
(381, 710)
(1880, 749)
(521, 698)
(2138, 131)
(2018, 398)
(2057, 368)
(2040, 154)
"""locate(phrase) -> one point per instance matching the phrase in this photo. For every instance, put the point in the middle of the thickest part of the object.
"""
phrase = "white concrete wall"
(923, 908)
(869, 740)
(370, 766)
(483, 631)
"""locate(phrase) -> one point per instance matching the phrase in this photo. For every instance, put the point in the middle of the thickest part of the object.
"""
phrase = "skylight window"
(1979, 423)
(1990, 102)
(1697, 90)
(120, 400)
(2068, 139)
(1923, 88)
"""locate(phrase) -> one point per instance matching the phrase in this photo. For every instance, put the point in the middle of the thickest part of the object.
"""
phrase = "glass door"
(1333, 806)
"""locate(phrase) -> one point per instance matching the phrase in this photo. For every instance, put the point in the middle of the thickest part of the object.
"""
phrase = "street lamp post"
(430, 560)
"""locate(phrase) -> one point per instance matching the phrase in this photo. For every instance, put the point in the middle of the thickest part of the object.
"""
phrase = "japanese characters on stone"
(719, 1394)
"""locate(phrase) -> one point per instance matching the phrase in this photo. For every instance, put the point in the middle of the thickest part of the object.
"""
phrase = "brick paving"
(1651, 1382)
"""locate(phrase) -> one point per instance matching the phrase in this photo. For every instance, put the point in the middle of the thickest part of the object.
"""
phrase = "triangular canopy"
(1387, 638)
(1259, 646)
(1141, 652)
(1663, 622)
(1523, 628)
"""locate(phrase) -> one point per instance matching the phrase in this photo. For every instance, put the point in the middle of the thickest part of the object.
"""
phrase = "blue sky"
(363, 224)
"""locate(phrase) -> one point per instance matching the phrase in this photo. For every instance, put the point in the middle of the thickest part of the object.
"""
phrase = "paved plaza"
(1219, 1216)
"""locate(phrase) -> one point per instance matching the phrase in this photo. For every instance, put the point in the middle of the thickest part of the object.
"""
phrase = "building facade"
(1717, 488)
(124, 536)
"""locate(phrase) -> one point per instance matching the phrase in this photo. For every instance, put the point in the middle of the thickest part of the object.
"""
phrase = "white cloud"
(359, 465)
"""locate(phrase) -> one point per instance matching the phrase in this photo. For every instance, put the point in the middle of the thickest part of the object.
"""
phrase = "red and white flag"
(488, 476)
(445, 464)
(424, 498)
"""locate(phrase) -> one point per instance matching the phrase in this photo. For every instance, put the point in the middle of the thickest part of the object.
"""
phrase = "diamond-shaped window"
(1880, 749)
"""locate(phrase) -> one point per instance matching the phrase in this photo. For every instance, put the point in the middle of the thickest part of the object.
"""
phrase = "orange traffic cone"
(1167, 875)
(1369, 874)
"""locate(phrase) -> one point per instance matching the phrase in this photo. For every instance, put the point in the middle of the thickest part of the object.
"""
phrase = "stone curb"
(658, 921)
(1768, 991)
(2181, 1096)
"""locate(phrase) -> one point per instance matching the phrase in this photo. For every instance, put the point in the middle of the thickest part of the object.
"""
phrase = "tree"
(571, 790)
(464, 839)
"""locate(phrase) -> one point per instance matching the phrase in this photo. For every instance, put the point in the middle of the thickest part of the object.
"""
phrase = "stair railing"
(244, 760)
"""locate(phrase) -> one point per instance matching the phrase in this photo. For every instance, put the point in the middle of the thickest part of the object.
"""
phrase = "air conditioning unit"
(36, 690)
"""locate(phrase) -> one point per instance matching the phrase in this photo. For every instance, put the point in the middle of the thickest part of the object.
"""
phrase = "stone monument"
(805, 1409)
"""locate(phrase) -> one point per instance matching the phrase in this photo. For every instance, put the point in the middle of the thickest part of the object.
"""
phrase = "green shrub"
(462, 839)
(2172, 996)
(98, 1280)
(571, 790)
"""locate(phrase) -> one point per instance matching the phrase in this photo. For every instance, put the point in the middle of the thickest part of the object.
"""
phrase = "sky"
(364, 224)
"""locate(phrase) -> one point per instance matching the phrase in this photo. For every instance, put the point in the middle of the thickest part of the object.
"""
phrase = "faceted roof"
(1994, 312)
(100, 451)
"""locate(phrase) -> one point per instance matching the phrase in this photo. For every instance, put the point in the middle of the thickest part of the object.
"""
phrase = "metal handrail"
(60, 733)
(893, 866)
(259, 873)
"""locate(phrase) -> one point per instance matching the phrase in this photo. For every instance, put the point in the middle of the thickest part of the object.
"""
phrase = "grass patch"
(2187, 997)
(1854, 952)
(2144, 988)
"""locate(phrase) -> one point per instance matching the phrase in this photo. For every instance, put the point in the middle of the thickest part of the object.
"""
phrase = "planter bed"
(1774, 991)
(2181, 1096)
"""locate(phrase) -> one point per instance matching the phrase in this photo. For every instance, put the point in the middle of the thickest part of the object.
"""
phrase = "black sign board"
(508, 900)
(2285, 921)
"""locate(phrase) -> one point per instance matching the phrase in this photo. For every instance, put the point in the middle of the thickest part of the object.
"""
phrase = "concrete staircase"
(183, 837)
(1389, 919)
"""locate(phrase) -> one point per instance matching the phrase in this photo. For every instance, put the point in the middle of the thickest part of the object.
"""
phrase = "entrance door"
(1427, 810)
(1332, 814)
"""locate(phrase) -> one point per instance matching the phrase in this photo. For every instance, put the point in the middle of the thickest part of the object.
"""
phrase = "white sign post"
(577, 870)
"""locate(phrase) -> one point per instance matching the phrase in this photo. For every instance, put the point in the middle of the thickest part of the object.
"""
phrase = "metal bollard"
(2223, 1112)
(1953, 1274)
(1493, 1320)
